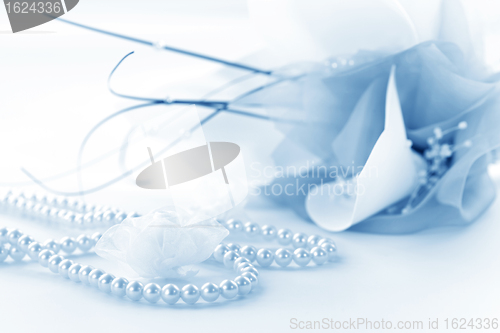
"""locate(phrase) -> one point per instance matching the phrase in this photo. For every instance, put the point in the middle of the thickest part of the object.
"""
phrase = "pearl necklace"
(17, 245)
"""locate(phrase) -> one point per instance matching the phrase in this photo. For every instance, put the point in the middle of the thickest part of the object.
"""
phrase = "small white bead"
(84, 273)
(252, 277)
(134, 290)
(299, 240)
(68, 245)
(220, 251)
(228, 289)
(249, 252)
(14, 235)
(63, 267)
(283, 257)
(301, 257)
(44, 256)
(54, 262)
(325, 240)
(24, 242)
(34, 250)
(234, 247)
(229, 259)
(190, 294)
(104, 282)
(239, 261)
(170, 294)
(269, 232)
(73, 273)
(209, 292)
(84, 243)
(331, 250)
(312, 241)
(265, 257)
(319, 255)
(244, 285)
(251, 229)
(285, 236)
(94, 277)
(151, 292)
(234, 225)
(119, 287)
(16, 253)
(52, 245)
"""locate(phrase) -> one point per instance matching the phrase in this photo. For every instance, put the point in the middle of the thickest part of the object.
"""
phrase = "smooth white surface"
(53, 90)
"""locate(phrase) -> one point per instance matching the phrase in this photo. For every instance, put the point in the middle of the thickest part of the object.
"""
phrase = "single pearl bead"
(120, 217)
(229, 259)
(242, 266)
(234, 225)
(152, 292)
(73, 272)
(301, 257)
(210, 292)
(4, 253)
(3, 235)
(54, 262)
(52, 245)
(252, 277)
(251, 229)
(325, 240)
(234, 247)
(283, 257)
(319, 256)
(119, 286)
(44, 212)
(94, 277)
(44, 256)
(16, 253)
(108, 217)
(312, 241)
(285, 236)
(239, 261)
(249, 252)
(104, 282)
(69, 217)
(68, 245)
(269, 232)
(265, 257)
(190, 294)
(88, 219)
(84, 243)
(244, 285)
(170, 294)
(84, 273)
(228, 289)
(64, 267)
(78, 221)
(134, 290)
(98, 217)
(220, 251)
(24, 242)
(299, 240)
(331, 250)
(96, 237)
(61, 215)
(14, 235)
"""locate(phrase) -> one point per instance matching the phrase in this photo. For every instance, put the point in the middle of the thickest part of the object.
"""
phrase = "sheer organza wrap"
(160, 243)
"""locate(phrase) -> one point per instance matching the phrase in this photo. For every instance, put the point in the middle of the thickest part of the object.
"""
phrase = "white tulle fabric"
(161, 243)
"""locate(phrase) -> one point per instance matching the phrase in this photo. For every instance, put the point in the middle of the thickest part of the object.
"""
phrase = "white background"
(53, 90)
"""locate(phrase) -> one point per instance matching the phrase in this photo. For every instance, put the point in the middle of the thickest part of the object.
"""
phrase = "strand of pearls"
(15, 244)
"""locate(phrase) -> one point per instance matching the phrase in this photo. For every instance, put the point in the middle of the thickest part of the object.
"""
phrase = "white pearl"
(24, 242)
(68, 245)
(210, 292)
(44, 256)
(61, 215)
(252, 270)
(249, 252)
(242, 266)
(78, 221)
(229, 259)
(312, 241)
(190, 294)
(54, 262)
(301, 257)
(64, 267)
(283, 257)
(234, 225)
(265, 257)
(120, 217)
(16, 253)
(104, 282)
(239, 261)
(331, 250)
(88, 219)
(69, 217)
(319, 255)
(325, 240)
(299, 240)
(4, 253)
(269, 232)
(170, 294)
(98, 217)
(52, 245)
(285, 236)
(244, 285)
(151, 292)
(134, 290)
(84, 273)
(94, 277)
(220, 251)
(119, 286)
(252, 277)
(14, 235)
(251, 229)
(53, 213)
(84, 243)
(96, 237)
(108, 216)
(234, 247)
(73, 272)
(228, 289)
